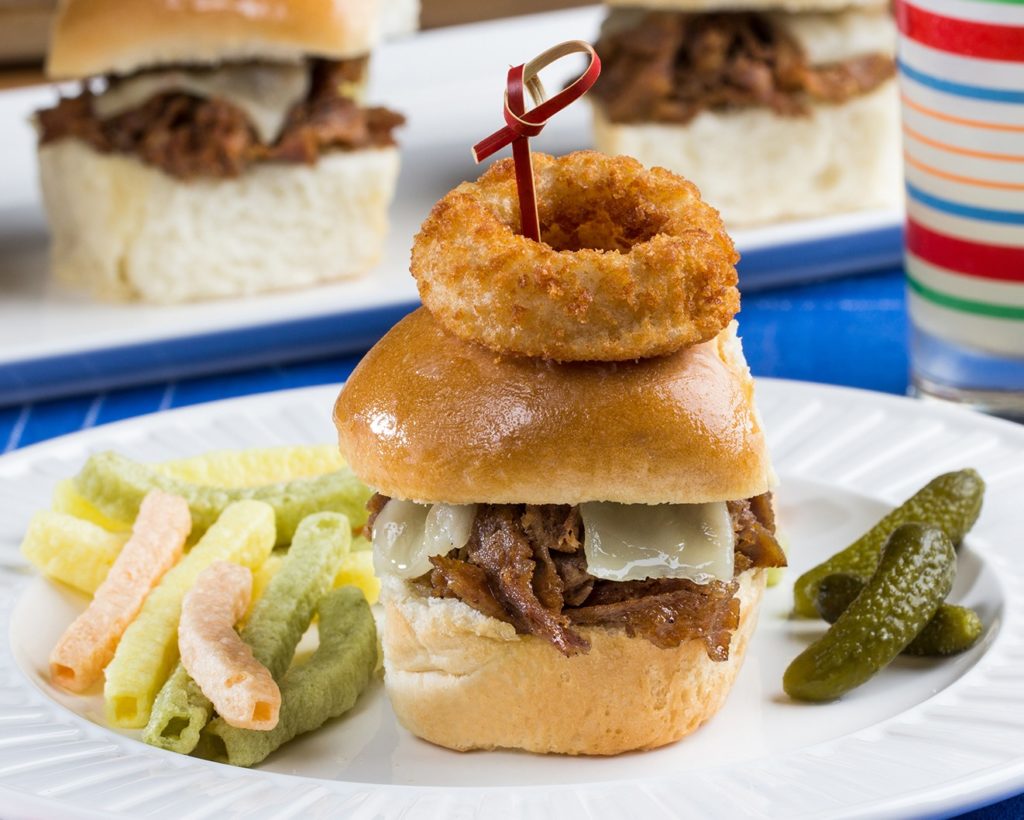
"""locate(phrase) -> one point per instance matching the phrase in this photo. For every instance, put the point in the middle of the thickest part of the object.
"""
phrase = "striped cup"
(961, 68)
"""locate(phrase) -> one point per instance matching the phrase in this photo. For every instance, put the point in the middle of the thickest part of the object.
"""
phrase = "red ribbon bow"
(521, 124)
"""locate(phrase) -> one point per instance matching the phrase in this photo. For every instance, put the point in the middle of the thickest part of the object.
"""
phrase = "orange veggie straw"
(521, 124)
(156, 543)
(219, 661)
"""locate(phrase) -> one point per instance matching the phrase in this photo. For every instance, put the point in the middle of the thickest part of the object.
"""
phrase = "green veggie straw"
(277, 623)
(326, 686)
(116, 485)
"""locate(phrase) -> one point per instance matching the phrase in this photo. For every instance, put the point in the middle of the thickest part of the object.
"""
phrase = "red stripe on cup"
(985, 261)
(986, 41)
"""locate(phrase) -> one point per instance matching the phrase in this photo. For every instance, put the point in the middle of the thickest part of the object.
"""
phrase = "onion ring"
(633, 262)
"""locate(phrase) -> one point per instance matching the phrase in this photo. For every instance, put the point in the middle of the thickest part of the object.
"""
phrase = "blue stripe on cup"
(960, 209)
(976, 92)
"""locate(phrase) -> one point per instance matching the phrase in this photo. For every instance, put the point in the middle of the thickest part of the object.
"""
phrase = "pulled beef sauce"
(670, 67)
(188, 137)
(525, 564)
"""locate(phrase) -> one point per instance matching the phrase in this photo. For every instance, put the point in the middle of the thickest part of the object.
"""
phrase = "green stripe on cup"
(965, 305)
(1004, 2)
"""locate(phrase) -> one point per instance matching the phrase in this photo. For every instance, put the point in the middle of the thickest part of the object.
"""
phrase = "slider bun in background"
(756, 166)
(116, 37)
(127, 230)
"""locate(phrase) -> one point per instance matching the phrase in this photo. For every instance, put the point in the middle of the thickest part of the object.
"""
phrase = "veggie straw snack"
(116, 485)
(275, 627)
(71, 550)
(151, 603)
(147, 652)
(326, 686)
(156, 544)
(239, 686)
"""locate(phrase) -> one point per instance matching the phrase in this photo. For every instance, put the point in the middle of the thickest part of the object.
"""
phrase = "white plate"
(449, 84)
(923, 738)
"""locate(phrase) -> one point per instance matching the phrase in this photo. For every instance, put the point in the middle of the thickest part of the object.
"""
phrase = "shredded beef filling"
(500, 546)
(525, 564)
(187, 136)
(670, 66)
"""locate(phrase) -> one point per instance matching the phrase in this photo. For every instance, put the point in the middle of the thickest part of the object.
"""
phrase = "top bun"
(93, 37)
(747, 5)
(429, 417)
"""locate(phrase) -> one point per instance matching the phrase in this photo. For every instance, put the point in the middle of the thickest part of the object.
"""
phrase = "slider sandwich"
(214, 150)
(572, 552)
(776, 110)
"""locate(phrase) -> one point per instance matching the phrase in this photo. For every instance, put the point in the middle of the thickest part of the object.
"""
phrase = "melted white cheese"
(448, 527)
(623, 542)
(406, 534)
(266, 93)
(630, 542)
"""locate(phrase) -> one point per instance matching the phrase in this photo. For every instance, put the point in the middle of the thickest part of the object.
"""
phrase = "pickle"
(952, 630)
(913, 578)
(116, 486)
(835, 594)
(951, 502)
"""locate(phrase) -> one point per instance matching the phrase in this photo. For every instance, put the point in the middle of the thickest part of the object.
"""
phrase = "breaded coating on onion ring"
(632, 263)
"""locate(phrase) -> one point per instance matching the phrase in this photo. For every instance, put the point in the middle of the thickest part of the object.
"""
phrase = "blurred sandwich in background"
(776, 109)
(214, 149)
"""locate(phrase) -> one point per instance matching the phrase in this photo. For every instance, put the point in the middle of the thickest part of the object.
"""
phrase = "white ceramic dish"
(924, 738)
(449, 84)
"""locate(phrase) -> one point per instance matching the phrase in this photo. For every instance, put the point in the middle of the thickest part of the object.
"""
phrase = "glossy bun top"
(429, 417)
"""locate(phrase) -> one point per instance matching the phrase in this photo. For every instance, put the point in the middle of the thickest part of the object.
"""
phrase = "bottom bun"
(463, 680)
(125, 230)
(756, 166)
